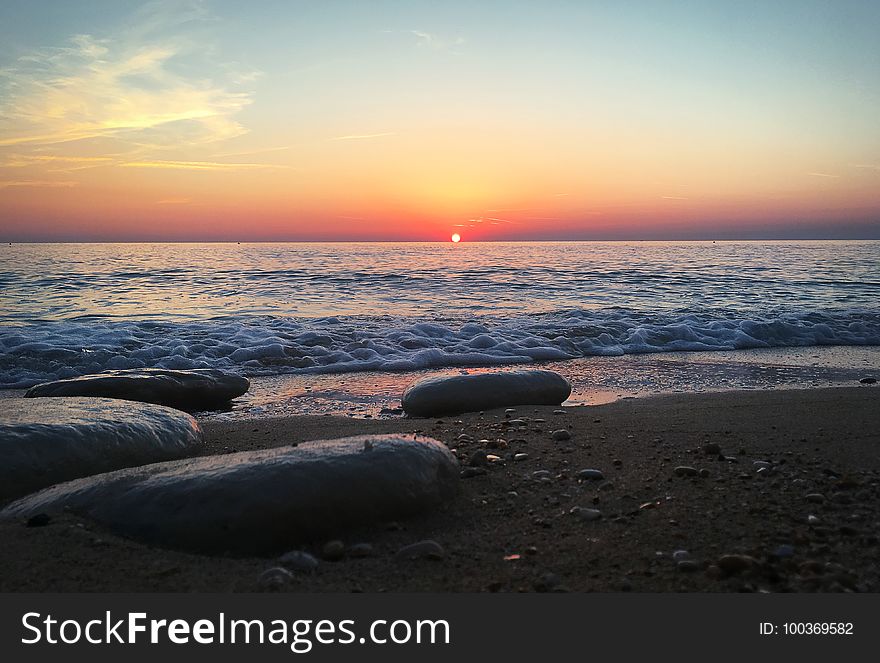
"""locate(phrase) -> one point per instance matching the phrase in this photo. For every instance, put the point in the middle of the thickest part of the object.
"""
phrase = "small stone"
(520, 457)
(541, 474)
(680, 555)
(687, 566)
(558, 411)
(813, 520)
(685, 471)
(762, 465)
(704, 473)
(478, 459)
(617, 462)
(333, 550)
(816, 498)
(587, 515)
(426, 549)
(510, 410)
(39, 520)
(590, 475)
(868, 380)
(711, 449)
(361, 550)
(531, 550)
(560, 435)
(274, 579)
(299, 560)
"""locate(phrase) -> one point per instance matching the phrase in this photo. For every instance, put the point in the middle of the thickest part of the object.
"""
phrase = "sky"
(349, 120)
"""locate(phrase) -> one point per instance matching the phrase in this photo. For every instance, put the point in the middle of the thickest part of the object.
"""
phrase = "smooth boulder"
(452, 394)
(46, 441)
(189, 390)
(265, 501)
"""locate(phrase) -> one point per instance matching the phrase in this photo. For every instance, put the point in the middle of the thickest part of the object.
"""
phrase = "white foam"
(30, 354)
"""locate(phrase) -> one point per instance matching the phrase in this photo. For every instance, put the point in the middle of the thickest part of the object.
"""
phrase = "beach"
(759, 464)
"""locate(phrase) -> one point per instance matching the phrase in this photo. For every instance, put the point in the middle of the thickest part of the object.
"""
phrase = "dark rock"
(361, 550)
(40, 520)
(451, 394)
(471, 472)
(685, 471)
(560, 435)
(711, 449)
(868, 380)
(49, 440)
(427, 549)
(260, 501)
(190, 390)
(299, 560)
(274, 579)
(687, 566)
(590, 475)
(333, 551)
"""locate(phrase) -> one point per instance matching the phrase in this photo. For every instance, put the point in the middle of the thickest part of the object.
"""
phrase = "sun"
(456, 238)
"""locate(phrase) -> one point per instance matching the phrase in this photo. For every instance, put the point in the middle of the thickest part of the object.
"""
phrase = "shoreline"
(509, 531)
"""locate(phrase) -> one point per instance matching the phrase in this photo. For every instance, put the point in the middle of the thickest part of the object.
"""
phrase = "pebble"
(333, 550)
(590, 475)
(680, 555)
(274, 578)
(587, 515)
(705, 473)
(427, 549)
(711, 449)
(510, 410)
(558, 411)
(299, 560)
(762, 465)
(39, 520)
(686, 471)
(361, 550)
(868, 380)
(816, 498)
(478, 459)
(561, 435)
(688, 566)
(813, 520)
(541, 474)
(520, 457)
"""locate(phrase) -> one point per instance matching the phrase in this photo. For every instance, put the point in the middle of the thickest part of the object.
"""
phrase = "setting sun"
(456, 238)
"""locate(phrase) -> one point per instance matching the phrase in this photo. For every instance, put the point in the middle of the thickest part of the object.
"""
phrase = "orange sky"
(200, 121)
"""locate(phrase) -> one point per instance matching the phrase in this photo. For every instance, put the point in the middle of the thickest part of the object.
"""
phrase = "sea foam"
(264, 345)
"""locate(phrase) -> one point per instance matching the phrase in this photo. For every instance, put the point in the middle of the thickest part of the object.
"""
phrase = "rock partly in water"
(50, 440)
(263, 501)
(190, 390)
(451, 394)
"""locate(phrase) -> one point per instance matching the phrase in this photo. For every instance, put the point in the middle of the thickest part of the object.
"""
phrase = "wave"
(262, 345)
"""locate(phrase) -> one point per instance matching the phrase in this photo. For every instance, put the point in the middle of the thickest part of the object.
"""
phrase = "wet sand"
(509, 531)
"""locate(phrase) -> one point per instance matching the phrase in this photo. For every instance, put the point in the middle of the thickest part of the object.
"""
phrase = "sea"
(343, 327)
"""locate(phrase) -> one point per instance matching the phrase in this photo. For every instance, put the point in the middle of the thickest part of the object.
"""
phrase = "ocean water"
(305, 308)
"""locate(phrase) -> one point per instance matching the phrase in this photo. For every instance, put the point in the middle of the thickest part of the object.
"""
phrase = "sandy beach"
(744, 519)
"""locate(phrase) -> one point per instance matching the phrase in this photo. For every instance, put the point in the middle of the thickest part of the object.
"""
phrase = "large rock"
(49, 440)
(451, 394)
(190, 390)
(262, 501)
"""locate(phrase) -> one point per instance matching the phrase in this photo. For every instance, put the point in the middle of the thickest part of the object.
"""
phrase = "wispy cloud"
(436, 42)
(867, 166)
(363, 136)
(829, 175)
(674, 198)
(129, 87)
(199, 165)
(52, 184)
